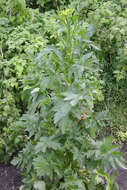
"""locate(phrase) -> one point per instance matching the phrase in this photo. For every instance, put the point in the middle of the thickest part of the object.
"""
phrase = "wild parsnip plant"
(62, 151)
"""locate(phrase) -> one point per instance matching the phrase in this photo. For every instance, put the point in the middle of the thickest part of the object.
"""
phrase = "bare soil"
(121, 178)
(10, 177)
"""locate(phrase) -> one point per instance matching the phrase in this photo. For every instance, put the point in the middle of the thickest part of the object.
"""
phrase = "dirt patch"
(122, 173)
(121, 178)
(10, 177)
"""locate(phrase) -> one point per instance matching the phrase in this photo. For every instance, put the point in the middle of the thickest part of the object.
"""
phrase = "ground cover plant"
(63, 73)
(20, 39)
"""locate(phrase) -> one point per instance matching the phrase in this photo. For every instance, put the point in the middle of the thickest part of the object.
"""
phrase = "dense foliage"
(63, 91)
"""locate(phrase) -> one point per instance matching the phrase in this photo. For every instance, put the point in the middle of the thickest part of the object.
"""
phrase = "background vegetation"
(63, 77)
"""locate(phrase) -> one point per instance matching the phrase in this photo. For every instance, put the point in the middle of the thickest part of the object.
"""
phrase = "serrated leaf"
(73, 183)
(43, 167)
(47, 143)
(62, 110)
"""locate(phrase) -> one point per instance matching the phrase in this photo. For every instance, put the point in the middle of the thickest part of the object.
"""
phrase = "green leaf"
(43, 167)
(73, 98)
(62, 109)
(47, 143)
(35, 90)
(15, 161)
(103, 115)
(121, 163)
(72, 183)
